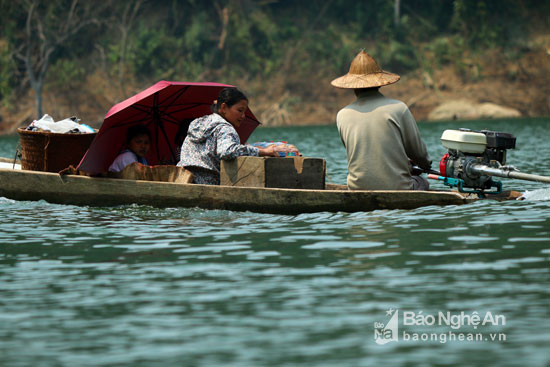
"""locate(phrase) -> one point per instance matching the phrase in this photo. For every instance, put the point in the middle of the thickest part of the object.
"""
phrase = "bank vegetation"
(77, 57)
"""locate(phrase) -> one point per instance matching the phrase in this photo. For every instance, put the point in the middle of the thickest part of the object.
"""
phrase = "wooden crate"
(288, 172)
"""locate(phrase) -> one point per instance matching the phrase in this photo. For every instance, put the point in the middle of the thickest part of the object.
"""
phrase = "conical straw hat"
(364, 72)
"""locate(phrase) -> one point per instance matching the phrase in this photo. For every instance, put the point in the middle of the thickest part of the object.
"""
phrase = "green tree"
(43, 28)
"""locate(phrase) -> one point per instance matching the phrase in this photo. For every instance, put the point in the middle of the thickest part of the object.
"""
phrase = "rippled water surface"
(141, 286)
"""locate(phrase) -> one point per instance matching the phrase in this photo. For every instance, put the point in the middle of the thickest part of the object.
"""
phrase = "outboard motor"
(469, 151)
(474, 157)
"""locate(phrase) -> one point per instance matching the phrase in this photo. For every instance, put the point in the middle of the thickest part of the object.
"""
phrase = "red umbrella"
(162, 107)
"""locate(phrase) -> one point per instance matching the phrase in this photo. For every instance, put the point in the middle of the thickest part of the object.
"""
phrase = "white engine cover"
(464, 141)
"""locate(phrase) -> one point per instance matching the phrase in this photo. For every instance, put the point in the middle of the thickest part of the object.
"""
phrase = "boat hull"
(94, 191)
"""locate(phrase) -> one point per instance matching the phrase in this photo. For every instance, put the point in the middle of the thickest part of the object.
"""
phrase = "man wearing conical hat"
(380, 134)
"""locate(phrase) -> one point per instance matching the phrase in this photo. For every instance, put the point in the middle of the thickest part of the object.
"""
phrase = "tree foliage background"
(98, 52)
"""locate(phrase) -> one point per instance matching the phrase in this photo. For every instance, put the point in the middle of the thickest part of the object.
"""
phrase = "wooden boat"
(20, 184)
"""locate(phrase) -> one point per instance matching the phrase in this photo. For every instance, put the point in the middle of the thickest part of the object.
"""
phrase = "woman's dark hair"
(229, 96)
(136, 130)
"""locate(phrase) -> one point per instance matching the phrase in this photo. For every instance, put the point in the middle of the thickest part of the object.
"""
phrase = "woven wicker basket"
(52, 152)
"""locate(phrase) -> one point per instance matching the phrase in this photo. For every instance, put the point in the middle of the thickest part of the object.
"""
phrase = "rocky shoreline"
(494, 88)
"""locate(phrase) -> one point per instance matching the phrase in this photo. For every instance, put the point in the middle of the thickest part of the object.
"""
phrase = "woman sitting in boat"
(138, 142)
(212, 138)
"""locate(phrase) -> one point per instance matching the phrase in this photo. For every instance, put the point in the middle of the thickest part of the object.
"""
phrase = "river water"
(141, 286)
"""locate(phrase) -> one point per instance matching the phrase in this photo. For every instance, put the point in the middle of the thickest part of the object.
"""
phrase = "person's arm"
(122, 160)
(228, 145)
(414, 146)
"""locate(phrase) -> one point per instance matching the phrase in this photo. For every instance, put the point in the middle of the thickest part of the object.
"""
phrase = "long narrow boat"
(82, 190)
(20, 184)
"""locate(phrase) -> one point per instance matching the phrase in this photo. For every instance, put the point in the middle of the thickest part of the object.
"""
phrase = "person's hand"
(285, 149)
(268, 152)
(273, 150)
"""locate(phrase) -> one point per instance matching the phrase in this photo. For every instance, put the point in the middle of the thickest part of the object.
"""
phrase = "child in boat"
(212, 138)
(138, 142)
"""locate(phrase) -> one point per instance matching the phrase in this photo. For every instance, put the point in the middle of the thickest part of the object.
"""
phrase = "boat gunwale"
(106, 191)
(122, 180)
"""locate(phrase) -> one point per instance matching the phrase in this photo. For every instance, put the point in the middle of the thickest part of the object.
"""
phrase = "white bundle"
(63, 126)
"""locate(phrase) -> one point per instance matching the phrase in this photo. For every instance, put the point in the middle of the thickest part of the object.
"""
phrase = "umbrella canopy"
(162, 108)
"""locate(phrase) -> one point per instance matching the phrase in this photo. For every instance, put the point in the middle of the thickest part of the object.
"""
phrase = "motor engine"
(469, 150)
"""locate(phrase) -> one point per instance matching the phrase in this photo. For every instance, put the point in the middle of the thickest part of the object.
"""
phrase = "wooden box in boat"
(288, 172)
